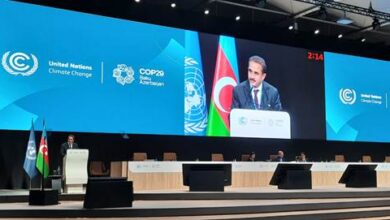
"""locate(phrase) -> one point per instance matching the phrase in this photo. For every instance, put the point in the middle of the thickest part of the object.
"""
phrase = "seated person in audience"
(280, 157)
(301, 157)
(252, 156)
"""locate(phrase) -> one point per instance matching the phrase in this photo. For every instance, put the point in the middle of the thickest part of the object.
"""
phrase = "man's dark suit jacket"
(242, 97)
(278, 159)
(65, 146)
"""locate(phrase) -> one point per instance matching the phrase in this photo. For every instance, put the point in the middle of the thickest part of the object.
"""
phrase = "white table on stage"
(154, 175)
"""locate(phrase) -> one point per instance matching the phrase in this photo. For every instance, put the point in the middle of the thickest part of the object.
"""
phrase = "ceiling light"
(344, 20)
(293, 26)
(138, 1)
(317, 31)
(173, 5)
(363, 40)
(238, 17)
(207, 11)
(340, 36)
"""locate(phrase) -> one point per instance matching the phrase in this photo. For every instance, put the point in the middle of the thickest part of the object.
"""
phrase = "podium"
(359, 175)
(292, 176)
(260, 123)
(75, 170)
(207, 177)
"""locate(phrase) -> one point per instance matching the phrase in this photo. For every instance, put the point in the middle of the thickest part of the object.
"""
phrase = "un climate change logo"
(243, 121)
(347, 96)
(19, 63)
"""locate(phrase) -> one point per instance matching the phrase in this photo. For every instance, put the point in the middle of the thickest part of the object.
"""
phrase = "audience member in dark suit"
(301, 157)
(280, 157)
(255, 93)
(252, 156)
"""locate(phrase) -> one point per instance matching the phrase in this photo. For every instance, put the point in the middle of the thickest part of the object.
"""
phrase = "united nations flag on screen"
(195, 111)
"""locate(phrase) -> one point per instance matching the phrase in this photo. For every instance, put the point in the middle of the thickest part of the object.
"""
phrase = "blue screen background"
(356, 88)
(97, 103)
(367, 116)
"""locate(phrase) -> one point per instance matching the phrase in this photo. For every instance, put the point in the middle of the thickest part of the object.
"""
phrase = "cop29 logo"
(19, 63)
(123, 74)
(347, 96)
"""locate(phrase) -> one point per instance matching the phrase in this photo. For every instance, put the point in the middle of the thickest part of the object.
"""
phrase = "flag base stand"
(43, 197)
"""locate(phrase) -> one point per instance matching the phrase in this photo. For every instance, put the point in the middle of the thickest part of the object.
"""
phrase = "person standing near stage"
(70, 144)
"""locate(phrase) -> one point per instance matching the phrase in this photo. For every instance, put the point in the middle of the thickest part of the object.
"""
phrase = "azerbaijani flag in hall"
(43, 155)
(225, 79)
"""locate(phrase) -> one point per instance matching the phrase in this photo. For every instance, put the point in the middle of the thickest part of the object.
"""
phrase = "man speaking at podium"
(70, 144)
(255, 93)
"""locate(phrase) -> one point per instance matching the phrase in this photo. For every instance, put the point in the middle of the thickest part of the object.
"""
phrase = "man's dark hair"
(259, 60)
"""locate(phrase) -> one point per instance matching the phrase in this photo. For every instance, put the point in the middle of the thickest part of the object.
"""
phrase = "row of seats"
(99, 168)
(171, 156)
(167, 156)
(365, 158)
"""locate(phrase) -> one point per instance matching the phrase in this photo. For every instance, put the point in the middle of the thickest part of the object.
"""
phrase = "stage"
(243, 203)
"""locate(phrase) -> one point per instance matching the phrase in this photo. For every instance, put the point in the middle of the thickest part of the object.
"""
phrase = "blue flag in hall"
(31, 155)
(195, 109)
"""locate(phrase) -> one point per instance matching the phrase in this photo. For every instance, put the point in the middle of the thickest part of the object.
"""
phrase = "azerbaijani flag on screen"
(225, 79)
(43, 155)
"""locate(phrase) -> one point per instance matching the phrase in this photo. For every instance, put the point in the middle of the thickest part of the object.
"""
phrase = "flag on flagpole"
(31, 154)
(225, 79)
(42, 163)
(195, 108)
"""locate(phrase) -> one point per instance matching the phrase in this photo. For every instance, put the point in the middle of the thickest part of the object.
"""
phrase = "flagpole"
(32, 126)
(43, 163)
(43, 173)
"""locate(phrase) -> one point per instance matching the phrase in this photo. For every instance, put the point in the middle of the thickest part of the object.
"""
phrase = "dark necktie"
(255, 91)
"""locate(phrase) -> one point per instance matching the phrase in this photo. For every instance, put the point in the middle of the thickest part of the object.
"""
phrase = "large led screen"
(88, 73)
(102, 74)
(357, 107)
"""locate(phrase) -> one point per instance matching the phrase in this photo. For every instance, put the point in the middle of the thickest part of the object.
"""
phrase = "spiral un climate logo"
(347, 96)
(19, 63)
